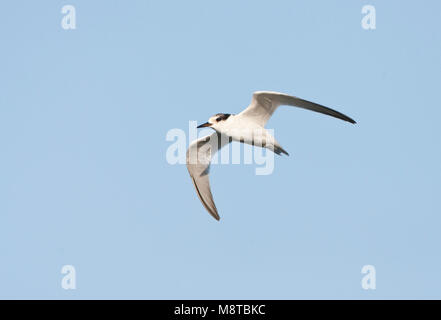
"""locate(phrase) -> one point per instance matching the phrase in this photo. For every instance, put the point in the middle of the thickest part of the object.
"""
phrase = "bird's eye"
(218, 119)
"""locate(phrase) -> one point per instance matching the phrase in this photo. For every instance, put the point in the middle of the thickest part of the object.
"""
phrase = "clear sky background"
(84, 180)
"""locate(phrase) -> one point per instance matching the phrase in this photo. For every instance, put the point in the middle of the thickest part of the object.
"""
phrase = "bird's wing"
(199, 156)
(264, 103)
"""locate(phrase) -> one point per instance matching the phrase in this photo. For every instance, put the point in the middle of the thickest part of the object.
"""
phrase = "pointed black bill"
(206, 124)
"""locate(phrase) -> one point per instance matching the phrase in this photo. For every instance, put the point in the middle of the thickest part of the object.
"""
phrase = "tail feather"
(279, 150)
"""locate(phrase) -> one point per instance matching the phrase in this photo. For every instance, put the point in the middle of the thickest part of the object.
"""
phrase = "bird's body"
(241, 129)
(246, 127)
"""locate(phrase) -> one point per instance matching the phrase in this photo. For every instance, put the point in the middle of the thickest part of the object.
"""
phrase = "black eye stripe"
(222, 116)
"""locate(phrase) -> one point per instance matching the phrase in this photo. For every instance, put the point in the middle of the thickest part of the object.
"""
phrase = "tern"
(245, 127)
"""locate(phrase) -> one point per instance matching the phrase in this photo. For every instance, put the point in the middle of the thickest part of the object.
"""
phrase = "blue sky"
(84, 180)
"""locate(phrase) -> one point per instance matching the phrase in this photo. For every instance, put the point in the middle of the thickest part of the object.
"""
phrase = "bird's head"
(216, 121)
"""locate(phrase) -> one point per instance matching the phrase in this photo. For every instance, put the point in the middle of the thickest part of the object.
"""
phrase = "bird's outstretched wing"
(264, 103)
(199, 156)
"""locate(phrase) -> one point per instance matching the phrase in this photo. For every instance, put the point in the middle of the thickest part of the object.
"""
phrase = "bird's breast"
(250, 135)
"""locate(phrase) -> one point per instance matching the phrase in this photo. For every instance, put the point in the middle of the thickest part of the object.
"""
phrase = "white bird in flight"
(246, 127)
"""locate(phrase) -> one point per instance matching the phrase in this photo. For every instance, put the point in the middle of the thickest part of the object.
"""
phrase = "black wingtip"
(350, 120)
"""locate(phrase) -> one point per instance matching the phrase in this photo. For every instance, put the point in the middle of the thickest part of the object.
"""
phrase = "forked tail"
(279, 150)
